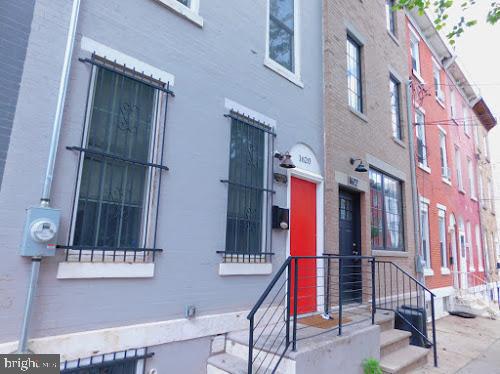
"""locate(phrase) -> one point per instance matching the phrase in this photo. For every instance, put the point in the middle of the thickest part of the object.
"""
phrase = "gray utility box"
(40, 232)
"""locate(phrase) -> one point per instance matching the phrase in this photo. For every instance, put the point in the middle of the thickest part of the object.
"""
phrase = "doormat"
(321, 323)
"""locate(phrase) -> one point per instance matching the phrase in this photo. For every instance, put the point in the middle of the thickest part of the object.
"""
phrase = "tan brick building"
(483, 123)
(366, 71)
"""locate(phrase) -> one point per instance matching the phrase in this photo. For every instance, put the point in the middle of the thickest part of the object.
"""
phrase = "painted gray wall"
(180, 357)
(222, 59)
(15, 24)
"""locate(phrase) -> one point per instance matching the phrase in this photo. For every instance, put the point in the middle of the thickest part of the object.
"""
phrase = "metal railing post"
(295, 303)
(434, 345)
(374, 304)
(327, 293)
(288, 302)
(340, 294)
(250, 347)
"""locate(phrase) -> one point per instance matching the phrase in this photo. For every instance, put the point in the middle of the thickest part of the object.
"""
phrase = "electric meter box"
(40, 232)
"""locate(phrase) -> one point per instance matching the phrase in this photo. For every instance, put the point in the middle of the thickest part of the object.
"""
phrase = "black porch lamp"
(361, 168)
(285, 160)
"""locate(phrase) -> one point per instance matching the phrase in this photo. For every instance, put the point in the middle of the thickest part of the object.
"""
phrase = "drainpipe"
(54, 143)
(414, 192)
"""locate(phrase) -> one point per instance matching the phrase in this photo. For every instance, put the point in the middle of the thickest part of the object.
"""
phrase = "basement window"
(125, 362)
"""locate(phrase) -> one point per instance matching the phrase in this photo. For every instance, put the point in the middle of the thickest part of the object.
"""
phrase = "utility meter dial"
(43, 230)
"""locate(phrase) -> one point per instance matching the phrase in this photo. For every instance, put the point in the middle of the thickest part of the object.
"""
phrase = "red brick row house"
(446, 128)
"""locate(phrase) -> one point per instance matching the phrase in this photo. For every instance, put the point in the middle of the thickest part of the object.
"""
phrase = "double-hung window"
(415, 52)
(467, 121)
(481, 190)
(354, 79)
(442, 237)
(390, 16)
(458, 169)
(248, 208)
(438, 89)
(491, 193)
(116, 199)
(486, 147)
(282, 36)
(424, 232)
(421, 141)
(386, 212)
(395, 89)
(472, 179)
(470, 252)
(479, 248)
(445, 170)
(453, 105)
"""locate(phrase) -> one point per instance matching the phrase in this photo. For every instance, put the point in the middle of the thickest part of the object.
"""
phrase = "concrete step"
(393, 340)
(404, 360)
(239, 348)
(226, 363)
(385, 320)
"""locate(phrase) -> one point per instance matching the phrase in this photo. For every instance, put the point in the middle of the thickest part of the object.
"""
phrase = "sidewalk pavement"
(466, 346)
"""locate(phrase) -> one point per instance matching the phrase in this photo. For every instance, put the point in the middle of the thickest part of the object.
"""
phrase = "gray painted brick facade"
(15, 24)
(224, 59)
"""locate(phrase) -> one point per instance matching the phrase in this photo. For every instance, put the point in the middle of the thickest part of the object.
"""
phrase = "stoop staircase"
(299, 326)
(234, 359)
(396, 354)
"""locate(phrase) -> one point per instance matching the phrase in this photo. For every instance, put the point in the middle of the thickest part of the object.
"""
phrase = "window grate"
(248, 236)
(123, 362)
(120, 167)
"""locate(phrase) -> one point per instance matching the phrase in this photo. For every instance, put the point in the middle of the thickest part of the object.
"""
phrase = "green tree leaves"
(441, 9)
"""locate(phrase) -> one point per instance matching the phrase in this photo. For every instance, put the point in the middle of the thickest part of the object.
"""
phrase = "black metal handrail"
(327, 286)
(398, 290)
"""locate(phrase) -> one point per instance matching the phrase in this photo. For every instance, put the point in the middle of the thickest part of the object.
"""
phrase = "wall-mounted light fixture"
(361, 168)
(286, 160)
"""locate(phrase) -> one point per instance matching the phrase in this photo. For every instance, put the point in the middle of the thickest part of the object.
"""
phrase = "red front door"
(303, 242)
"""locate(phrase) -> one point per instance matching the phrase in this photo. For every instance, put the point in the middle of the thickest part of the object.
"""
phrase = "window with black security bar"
(131, 361)
(116, 198)
(248, 236)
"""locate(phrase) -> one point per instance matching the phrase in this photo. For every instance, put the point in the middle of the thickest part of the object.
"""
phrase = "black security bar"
(115, 363)
(114, 157)
(129, 73)
(108, 249)
(249, 187)
(251, 122)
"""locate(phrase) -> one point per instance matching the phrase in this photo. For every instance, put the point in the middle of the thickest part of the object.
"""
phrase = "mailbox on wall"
(281, 218)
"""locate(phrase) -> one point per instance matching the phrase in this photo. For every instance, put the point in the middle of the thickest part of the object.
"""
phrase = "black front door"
(350, 245)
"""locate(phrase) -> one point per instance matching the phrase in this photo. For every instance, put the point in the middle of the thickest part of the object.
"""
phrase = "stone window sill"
(425, 168)
(393, 37)
(428, 272)
(447, 181)
(103, 270)
(399, 142)
(445, 271)
(277, 68)
(184, 11)
(358, 114)
(385, 253)
(234, 268)
(418, 76)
